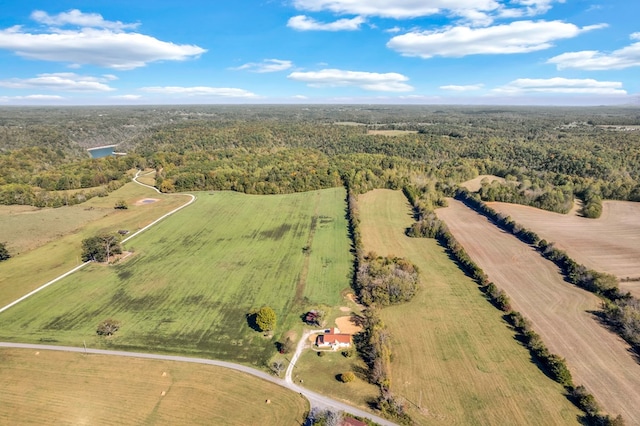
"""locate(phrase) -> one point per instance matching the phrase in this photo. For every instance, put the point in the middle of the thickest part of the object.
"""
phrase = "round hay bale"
(268, 401)
(163, 393)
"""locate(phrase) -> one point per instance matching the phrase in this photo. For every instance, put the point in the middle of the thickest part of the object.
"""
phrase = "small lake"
(102, 152)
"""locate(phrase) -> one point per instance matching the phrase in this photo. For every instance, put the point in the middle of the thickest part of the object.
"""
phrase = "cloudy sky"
(542, 52)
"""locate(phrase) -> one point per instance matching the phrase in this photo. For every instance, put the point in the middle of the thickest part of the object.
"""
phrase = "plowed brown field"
(610, 243)
(597, 358)
(455, 361)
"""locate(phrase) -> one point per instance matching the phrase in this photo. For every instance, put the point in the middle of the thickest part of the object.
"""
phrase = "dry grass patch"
(475, 184)
(454, 359)
(609, 244)
(392, 132)
(108, 390)
(559, 311)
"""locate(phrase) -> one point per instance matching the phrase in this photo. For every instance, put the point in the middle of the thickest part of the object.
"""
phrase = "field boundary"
(77, 268)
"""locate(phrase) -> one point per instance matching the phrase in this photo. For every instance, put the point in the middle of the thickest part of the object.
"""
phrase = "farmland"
(47, 242)
(609, 244)
(559, 312)
(190, 283)
(454, 358)
(104, 390)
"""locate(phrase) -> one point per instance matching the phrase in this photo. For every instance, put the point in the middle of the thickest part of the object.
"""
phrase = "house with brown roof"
(333, 339)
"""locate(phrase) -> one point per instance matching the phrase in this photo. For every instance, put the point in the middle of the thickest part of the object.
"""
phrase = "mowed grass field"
(46, 243)
(194, 277)
(609, 244)
(454, 358)
(560, 312)
(48, 387)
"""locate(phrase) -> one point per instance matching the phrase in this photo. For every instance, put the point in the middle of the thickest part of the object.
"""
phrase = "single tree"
(121, 205)
(266, 319)
(277, 367)
(108, 327)
(100, 248)
(4, 253)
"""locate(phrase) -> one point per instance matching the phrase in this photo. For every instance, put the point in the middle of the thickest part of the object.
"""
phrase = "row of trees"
(620, 310)
(373, 280)
(553, 364)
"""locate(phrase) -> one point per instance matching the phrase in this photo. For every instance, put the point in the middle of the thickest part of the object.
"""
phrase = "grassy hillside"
(47, 242)
(455, 361)
(192, 279)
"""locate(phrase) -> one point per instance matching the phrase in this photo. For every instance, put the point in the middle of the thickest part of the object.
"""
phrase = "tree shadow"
(251, 322)
(606, 323)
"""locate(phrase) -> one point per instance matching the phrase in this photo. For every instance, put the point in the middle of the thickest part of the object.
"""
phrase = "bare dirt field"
(475, 184)
(597, 358)
(609, 244)
(346, 325)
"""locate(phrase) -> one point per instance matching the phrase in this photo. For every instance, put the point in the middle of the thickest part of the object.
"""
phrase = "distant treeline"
(548, 156)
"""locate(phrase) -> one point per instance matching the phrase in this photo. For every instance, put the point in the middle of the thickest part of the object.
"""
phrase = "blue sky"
(535, 52)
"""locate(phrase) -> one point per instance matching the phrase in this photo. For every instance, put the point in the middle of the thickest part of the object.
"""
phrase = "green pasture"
(192, 279)
(455, 360)
(52, 238)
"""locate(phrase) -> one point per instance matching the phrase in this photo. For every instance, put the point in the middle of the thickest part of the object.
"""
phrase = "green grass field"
(454, 358)
(60, 388)
(194, 277)
(52, 238)
(320, 374)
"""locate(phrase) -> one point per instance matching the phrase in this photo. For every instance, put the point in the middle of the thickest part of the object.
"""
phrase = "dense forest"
(547, 155)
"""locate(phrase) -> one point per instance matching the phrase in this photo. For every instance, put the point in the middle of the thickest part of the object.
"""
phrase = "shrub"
(108, 327)
(347, 377)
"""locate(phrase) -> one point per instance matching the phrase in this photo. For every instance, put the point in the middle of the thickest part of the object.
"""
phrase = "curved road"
(315, 399)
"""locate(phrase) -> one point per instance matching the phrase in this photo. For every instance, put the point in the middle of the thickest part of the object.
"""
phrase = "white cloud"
(559, 85)
(626, 57)
(478, 12)
(77, 18)
(399, 9)
(465, 88)
(302, 97)
(387, 82)
(516, 37)
(268, 65)
(105, 47)
(127, 97)
(304, 23)
(69, 82)
(31, 98)
(226, 92)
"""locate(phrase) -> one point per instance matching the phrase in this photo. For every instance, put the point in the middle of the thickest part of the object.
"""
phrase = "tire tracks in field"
(561, 313)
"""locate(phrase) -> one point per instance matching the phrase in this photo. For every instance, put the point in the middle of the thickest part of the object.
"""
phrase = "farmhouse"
(333, 339)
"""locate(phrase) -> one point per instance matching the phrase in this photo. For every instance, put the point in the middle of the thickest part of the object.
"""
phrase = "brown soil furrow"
(559, 311)
(609, 244)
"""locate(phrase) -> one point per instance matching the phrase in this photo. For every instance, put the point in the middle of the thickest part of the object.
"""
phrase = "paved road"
(315, 399)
